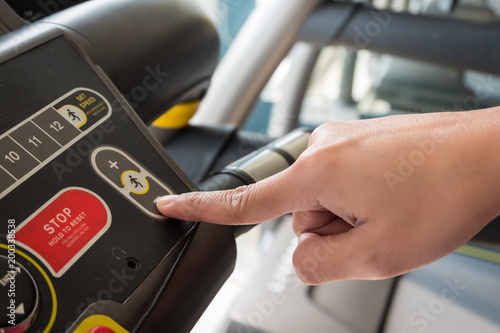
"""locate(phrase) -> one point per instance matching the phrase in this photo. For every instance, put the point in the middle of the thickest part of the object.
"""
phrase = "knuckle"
(237, 202)
(195, 201)
(317, 157)
(192, 205)
(230, 205)
(377, 266)
(317, 134)
(322, 131)
(306, 160)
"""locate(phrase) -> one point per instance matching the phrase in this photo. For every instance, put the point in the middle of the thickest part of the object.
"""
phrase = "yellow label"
(178, 116)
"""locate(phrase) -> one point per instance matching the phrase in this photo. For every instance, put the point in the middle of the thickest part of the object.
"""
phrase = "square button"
(56, 126)
(5, 180)
(34, 140)
(15, 159)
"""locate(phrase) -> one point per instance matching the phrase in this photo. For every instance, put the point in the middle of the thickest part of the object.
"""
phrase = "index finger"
(259, 202)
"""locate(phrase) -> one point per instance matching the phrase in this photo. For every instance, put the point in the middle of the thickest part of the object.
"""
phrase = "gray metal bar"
(285, 113)
(347, 80)
(262, 43)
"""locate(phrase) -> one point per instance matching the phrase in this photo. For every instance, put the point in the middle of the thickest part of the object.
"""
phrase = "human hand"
(375, 198)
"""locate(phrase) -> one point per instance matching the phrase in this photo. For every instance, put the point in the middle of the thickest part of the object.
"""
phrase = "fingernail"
(304, 236)
(166, 200)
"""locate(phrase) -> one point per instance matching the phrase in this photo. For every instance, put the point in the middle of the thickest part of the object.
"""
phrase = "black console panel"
(79, 176)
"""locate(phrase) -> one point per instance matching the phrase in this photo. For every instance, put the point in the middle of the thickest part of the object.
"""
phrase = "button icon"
(73, 115)
(129, 178)
(20, 309)
(135, 182)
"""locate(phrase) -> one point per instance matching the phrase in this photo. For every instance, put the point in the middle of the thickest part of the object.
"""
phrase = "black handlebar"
(439, 40)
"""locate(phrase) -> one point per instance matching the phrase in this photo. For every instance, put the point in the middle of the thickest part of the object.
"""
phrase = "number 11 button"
(34, 140)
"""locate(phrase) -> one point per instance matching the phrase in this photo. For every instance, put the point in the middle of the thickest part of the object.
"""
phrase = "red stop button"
(63, 229)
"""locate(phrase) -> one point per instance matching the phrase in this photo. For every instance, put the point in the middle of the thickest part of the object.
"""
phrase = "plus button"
(113, 165)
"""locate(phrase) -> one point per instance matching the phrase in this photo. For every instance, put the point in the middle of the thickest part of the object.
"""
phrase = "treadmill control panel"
(79, 177)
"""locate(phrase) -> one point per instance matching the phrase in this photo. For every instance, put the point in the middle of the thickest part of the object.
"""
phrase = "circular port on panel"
(133, 264)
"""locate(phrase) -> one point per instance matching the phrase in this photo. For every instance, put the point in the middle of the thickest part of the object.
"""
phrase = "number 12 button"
(56, 126)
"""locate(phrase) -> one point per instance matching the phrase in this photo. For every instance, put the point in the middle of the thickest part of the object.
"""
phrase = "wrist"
(480, 137)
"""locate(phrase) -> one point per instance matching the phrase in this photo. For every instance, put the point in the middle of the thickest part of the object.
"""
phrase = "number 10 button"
(15, 159)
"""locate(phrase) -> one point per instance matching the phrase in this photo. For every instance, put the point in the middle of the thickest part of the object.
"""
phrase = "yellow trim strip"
(99, 320)
(49, 283)
(178, 116)
(479, 253)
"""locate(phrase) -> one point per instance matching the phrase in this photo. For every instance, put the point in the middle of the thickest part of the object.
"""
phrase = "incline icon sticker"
(62, 230)
(83, 108)
(73, 115)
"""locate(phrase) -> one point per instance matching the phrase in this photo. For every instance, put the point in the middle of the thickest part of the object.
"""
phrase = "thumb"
(353, 254)
(259, 202)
